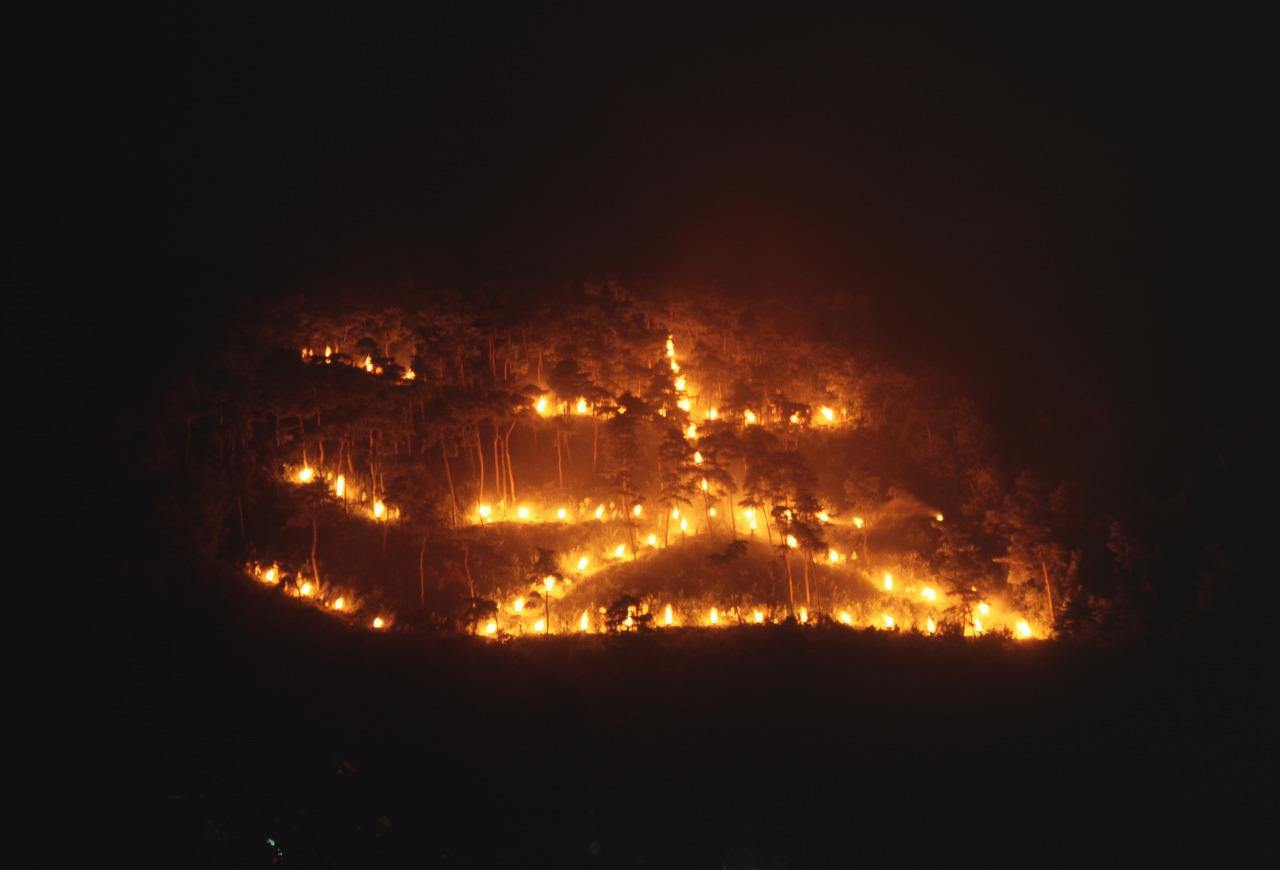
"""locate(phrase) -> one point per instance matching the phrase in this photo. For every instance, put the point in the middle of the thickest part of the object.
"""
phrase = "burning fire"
(888, 582)
(306, 475)
(378, 622)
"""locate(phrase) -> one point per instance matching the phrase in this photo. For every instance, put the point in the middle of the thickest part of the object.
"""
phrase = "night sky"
(1027, 204)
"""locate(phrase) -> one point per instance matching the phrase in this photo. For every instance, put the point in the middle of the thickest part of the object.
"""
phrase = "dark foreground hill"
(269, 733)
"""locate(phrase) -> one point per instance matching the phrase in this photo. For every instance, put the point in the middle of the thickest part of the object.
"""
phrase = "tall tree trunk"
(1048, 591)
(506, 446)
(791, 595)
(500, 485)
(559, 462)
(315, 536)
(448, 476)
(466, 567)
(422, 576)
(807, 602)
(480, 455)
(595, 444)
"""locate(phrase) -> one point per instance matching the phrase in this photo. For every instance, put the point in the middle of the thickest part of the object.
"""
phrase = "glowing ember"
(340, 604)
(824, 517)
(583, 563)
(671, 347)
(697, 457)
(748, 417)
(580, 407)
(757, 616)
(857, 522)
(485, 512)
(684, 405)
(408, 375)
(584, 621)
(599, 512)
(888, 582)
(692, 432)
(306, 590)
(491, 627)
(834, 557)
(938, 517)
(667, 616)
(306, 475)
(522, 512)
(379, 510)
(702, 485)
(561, 513)
(792, 542)
(795, 418)
(711, 512)
(541, 405)
(929, 594)
(328, 351)
(715, 616)
(888, 621)
(1024, 630)
(804, 614)
(675, 366)
(827, 414)
(637, 510)
(340, 486)
(368, 364)
(930, 626)
(271, 576)
(680, 384)
(378, 622)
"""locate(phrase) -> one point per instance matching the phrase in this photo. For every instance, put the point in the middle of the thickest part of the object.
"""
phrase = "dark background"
(1046, 209)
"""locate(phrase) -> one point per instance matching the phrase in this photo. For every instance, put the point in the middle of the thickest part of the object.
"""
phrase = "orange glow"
(888, 582)
(692, 432)
(271, 576)
(938, 517)
(824, 517)
(792, 542)
(675, 513)
(619, 551)
(379, 510)
(540, 626)
(929, 594)
(757, 616)
(340, 486)
(306, 475)
(522, 512)
(491, 627)
(599, 512)
(485, 512)
(583, 562)
(542, 406)
(748, 417)
(888, 621)
(581, 406)
(549, 582)
(930, 626)
(378, 622)
(715, 616)
(827, 414)
(1024, 630)
(637, 510)
(340, 604)
(795, 418)
(846, 618)
(652, 540)
(518, 605)
(684, 405)
(306, 590)
(804, 614)
(711, 512)
(857, 522)
(671, 347)
(713, 413)
(328, 351)
(978, 627)
(561, 513)
(684, 525)
(702, 485)
(408, 374)
(675, 366)
(681, 383)
(368, 364)
(984, 608)
(667, 616)
(584, 621)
